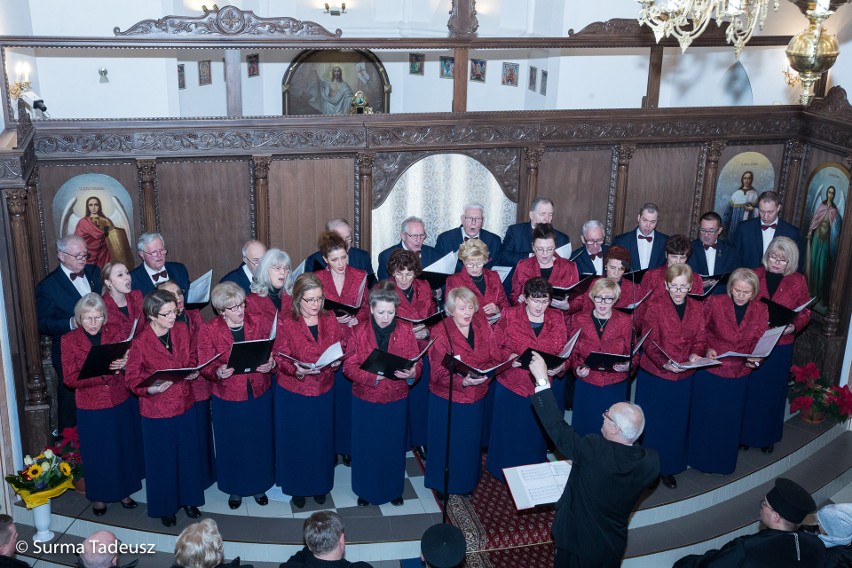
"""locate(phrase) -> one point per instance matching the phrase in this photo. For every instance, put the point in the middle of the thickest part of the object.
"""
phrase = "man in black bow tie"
(710, 254)
(754, 235)
(151, 248)
(56, 297)
(645, 243)
(589, 257)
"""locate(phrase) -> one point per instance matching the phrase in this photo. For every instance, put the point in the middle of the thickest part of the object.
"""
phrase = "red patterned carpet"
(497, 534)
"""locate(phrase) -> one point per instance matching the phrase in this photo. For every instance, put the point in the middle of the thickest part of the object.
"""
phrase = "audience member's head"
(200, 546)
(324, 535)
(8, 536)
(442, 546)
(786, 506)
(835, 524)
(100, 550)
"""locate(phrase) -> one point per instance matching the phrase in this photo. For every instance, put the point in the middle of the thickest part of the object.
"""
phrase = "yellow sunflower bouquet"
(44, 477)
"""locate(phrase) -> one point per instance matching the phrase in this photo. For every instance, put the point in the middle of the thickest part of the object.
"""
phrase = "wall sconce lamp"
(335, 10)
(22, 80)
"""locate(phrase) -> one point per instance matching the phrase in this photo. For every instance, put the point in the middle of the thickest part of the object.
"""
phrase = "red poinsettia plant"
(810, 390)
(68, 449)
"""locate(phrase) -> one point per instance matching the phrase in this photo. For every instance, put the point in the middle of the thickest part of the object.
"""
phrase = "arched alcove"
(736, 86)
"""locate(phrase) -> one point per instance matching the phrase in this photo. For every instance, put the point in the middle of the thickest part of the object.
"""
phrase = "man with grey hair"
(589, 257)
(100, 550)
(8, 540)
(608, 476)
(242, 276)
(358, 258)
(412, 234)
(55, 296)
(325, 544)
(151, 248)
(472, 221)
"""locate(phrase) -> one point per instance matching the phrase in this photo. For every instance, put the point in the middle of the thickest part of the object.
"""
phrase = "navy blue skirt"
(418, 407)
(666, 406)
(517, 437)
(205, 441)
(342, 413)
(108, 450)
(244, 435)
(465, 445)
(137, 435)
(766, 399)
(715, 422)
(173, 478)
(378, 449)
(488, 414)
(559, 386)
(304, 444)
(591, 401)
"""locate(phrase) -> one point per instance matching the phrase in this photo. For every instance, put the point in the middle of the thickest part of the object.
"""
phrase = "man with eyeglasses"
(412, 236)
(151, 248)
(779, 545)
(472, 221)
(242, 276)
(589, 257)
(645, 243)
(56, 297)
(358, 258)
(610, 471)
(517, 243)
(755, 235)
(712, 255)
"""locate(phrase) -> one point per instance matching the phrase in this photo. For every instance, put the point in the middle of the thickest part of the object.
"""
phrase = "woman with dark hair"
(664, 389)
(269, 295)
(521, 440)
(94, 228)
(603, 329)
(241, 403)
(616, 265)
(124, 306)
(379, 406)
(766, 397)
(734, 322)
(677, 250)
(473, 341)
(415, 302)
(105, 414)
(483, 282)
(304, 455)
(544, 263)
(169, 426)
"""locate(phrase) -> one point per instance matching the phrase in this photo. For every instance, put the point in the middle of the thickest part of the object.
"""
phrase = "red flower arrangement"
(68, 448)
(810, 390)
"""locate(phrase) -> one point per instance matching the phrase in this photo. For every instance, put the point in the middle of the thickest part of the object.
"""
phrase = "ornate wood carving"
(34, 242)
(713, 151)
(628, 33)
(463, 22)
(364, 215)
(228, 21)
(147, 179)
(791, 166)
(462, 61)
(10, 169)
(698, 191)
(452, 135)
(532, 159)
(25, 122)
(622, 153)
(260, 177)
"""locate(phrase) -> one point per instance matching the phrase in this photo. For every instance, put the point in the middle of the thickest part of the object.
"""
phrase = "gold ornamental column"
(260, 166)
(365, 200)
(624, 152)
(711, 174)
(147, 176)
(532, 155)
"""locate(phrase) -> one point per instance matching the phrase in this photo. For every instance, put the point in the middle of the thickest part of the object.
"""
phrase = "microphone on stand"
(632, 337)
(446, 487)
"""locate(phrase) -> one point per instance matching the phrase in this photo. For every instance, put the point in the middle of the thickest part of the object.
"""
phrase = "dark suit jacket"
(55, 299)
(580, 257)
(606, 481)
(750, 241)
(658, 247)
(358, 258)
(517, 244)
(238, 277)
(727, 260)
(450, 241)
(428, 255)
(769, 547)
(139, 279)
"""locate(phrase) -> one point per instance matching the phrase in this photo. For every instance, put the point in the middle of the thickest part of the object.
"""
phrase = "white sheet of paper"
(329, 356)
(569, 347)
(295, 274)
(503, 271)
(764, 346)
(537, 484)
(564, 251)
(444, 265)
(199, 290)
(697, 364)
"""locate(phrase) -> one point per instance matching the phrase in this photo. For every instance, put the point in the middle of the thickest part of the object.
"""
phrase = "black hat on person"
(790, 500)
(443, 546)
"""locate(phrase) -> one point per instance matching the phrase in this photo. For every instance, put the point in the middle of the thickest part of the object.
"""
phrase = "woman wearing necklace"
(303, 397)
(546, 264)
(603, 330)
(483, 282)
(124, 306)
(415, 302)
(342, 283)
(241, 403)
(663, 389)
(105, 413)
(517, 437)
(269, 296)
(734, 322)
(379, 405)
(169, 426)
(766, 398)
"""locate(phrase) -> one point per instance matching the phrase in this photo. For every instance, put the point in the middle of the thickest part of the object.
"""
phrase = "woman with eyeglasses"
(603, 330)
(734, 322)
(169, 425)
(105, 413)
(677, 250)
(544, 263)
(269, 295)
(303, 396)
(483, 282)
(474, 342)
(379, 405)
(663, 388)
(517, 437)
(415, 302)
(242, 402)
(766, 397)
(124, 306)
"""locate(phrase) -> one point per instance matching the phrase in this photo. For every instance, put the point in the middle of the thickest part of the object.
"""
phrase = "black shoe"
(319, 499)
(169, 521)
(398, 502)
(440, 496)
(421, 452)
(129, 503)
(743, 447)
(234, 501)
(363, 502)
(669, 481)
(261, 499)
(192, 511)
(768, 449)
(347, 460)
(298, 502)
(99, 511)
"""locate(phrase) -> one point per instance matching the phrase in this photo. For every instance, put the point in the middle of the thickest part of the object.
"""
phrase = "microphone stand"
(449, 422)
(632, 338)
